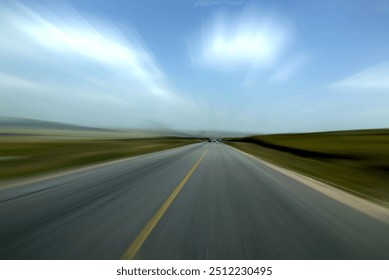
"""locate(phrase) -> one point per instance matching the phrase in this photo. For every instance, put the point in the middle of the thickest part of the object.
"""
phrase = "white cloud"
(373, 79)
(96, 71)
(248, 41)
(245, 41)
(70, 34)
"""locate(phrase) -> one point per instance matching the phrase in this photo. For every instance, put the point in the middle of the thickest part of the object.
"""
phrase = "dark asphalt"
(232, 207)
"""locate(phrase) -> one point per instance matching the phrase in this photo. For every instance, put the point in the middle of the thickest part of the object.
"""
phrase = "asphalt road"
(202, 201)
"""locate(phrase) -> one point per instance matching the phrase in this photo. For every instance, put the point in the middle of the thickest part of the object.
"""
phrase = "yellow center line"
(131, 251)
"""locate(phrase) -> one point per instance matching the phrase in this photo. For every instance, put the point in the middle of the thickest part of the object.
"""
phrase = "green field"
(356, 161)
(22, 156)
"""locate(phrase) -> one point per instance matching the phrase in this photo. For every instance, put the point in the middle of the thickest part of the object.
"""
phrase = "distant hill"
(21, 123)
(13, 126)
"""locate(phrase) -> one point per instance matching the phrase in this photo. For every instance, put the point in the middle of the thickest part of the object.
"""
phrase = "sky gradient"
(244, 66)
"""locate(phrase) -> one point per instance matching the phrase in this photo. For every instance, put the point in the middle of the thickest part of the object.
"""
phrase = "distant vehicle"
(214, 140)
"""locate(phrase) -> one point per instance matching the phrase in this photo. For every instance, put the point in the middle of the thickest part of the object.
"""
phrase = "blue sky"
(226, 65)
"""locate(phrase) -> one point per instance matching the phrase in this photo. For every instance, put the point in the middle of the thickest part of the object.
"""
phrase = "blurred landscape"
(356, 161)
(204, 129)
(30, 147)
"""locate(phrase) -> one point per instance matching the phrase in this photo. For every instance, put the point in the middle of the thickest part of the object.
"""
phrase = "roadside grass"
(23, 156)
(355, 161)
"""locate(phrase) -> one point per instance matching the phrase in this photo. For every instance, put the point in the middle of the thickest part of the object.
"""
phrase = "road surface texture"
(201, 201)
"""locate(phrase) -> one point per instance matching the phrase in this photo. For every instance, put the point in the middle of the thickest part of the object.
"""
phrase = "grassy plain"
(356, 161)
(22, 156)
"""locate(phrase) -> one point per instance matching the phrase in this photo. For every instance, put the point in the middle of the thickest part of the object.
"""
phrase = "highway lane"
(93, 214)
(229, 206)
